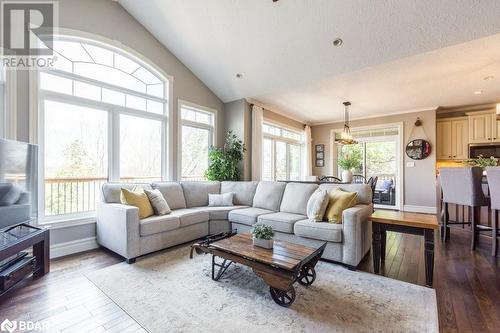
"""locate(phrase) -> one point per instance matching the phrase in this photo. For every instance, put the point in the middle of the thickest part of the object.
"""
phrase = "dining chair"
(372, 182)
(358, 179)
(331, 179)
(493, 176)
(462, 186)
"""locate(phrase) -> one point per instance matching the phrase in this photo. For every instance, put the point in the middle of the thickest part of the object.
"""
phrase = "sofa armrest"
(118, 228)
(357, 232)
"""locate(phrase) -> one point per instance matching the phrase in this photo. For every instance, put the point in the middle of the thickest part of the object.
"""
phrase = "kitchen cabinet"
(483, 127)
(452, 138)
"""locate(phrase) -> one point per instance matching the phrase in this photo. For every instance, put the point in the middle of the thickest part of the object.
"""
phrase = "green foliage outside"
(350, 157)
(223, 162)
(482, 161)
(262, 231)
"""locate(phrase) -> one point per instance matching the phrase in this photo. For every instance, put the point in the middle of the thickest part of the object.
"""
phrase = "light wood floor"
(467, 285)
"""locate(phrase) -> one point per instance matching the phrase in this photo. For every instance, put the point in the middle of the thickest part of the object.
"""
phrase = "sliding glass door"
(380, 153)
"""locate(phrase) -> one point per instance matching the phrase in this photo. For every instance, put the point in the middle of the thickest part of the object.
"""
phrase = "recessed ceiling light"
(337, 42)
(239, 75)
(478, 92)
(489, 77)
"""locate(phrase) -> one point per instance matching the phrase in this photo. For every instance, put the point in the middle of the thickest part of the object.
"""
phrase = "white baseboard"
(67, 248)
(419, 209)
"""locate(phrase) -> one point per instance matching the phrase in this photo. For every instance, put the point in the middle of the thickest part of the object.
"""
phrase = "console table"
(409, 223)
(15, 239)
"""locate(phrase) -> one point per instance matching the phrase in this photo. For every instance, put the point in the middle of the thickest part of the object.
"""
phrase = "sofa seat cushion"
(281, 221)
(221, 213)
(190, 216)
(247, 216)
(324, 231)
(156, 224)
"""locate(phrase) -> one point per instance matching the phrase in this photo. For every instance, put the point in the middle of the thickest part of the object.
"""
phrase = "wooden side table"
(408, 223)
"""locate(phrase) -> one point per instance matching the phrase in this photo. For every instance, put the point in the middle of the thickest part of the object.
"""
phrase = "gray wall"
(238, 118)
(419, 181)
(107, 18)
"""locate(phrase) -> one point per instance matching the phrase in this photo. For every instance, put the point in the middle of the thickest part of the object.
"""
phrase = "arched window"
(103, 116)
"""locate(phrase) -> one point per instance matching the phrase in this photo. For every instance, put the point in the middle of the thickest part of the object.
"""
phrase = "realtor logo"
(23, 23)
(8, 326)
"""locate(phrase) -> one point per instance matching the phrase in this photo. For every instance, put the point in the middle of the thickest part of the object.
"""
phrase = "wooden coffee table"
(279, 267)
(409, 223)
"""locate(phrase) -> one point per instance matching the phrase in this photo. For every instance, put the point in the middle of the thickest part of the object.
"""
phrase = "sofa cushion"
(281, 221)
(190, 216)
(196, 193)
(172, 192)
(158, 202)
(220, 200)
(111, 192)
(156, 224)
(221, 213)
(243, 191)
(364, 191)
(247, 216)
(316, 205)
(339, 201)
(268, 195)
(9, 194)
(324, 231)
(296, 196)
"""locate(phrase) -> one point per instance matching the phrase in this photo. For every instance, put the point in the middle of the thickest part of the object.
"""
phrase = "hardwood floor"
(467, 286)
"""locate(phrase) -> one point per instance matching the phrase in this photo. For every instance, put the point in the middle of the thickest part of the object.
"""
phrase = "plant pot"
(347, 176)
(265, 243)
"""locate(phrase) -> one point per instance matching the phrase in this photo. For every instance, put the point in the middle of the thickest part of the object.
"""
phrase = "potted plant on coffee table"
(262, 236)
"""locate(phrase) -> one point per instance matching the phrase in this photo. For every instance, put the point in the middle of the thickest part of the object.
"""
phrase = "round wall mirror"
(418, 149)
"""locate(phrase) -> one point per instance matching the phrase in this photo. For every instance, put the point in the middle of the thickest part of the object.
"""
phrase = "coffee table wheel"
(307, 276)
(198, 250)
(283, 297)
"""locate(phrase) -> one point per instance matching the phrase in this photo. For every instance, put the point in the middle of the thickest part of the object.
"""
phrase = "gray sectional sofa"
(278, 204)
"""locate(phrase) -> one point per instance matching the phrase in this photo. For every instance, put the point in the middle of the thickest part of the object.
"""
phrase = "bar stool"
(493, 174)
(462, 186)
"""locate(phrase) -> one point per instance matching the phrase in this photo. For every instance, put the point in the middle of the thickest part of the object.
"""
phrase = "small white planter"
(346, 176)
(265, 243)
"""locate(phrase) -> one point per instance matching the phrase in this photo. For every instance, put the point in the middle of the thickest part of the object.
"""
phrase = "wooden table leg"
(41, 253)
(429, 256)
(376, 237)
(382, 243)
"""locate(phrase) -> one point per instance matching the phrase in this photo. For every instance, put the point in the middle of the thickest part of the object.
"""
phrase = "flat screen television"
(18, 182)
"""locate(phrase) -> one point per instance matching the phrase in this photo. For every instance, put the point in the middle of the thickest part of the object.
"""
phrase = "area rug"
(168, 292)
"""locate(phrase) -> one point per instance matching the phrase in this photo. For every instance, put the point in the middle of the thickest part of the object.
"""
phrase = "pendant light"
(346, 136)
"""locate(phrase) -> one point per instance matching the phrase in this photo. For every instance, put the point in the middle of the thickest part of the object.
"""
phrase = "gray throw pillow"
(316, 205)
(158, 202)
(9, 194)
(220, 200)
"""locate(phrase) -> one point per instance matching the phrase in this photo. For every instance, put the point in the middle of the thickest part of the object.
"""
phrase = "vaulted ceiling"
(396, 55)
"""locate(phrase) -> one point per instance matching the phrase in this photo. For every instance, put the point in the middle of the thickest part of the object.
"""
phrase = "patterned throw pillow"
(220, 200)
(160, 205)
(316, 205)
(139, 200)
(339, 201)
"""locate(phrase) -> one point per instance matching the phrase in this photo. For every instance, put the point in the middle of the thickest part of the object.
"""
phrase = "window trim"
(36, 114)
(181, 122)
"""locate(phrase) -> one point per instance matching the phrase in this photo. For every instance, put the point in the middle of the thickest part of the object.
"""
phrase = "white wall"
(108, 19)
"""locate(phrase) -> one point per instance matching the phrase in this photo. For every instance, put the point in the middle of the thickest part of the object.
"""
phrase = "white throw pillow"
(316, 205)
(160, 205)
(219, 200)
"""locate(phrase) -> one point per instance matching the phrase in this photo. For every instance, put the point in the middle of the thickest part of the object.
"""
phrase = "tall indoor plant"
(223, 162)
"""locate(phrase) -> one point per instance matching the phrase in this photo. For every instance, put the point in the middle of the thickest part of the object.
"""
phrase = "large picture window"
(197, 136)
(282, 153)
(103, 116)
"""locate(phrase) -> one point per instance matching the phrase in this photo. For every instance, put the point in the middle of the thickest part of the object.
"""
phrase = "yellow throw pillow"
(139, 200)
(339, 201)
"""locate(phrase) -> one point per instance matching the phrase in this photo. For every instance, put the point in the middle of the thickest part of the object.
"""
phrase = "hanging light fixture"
(346, 136)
